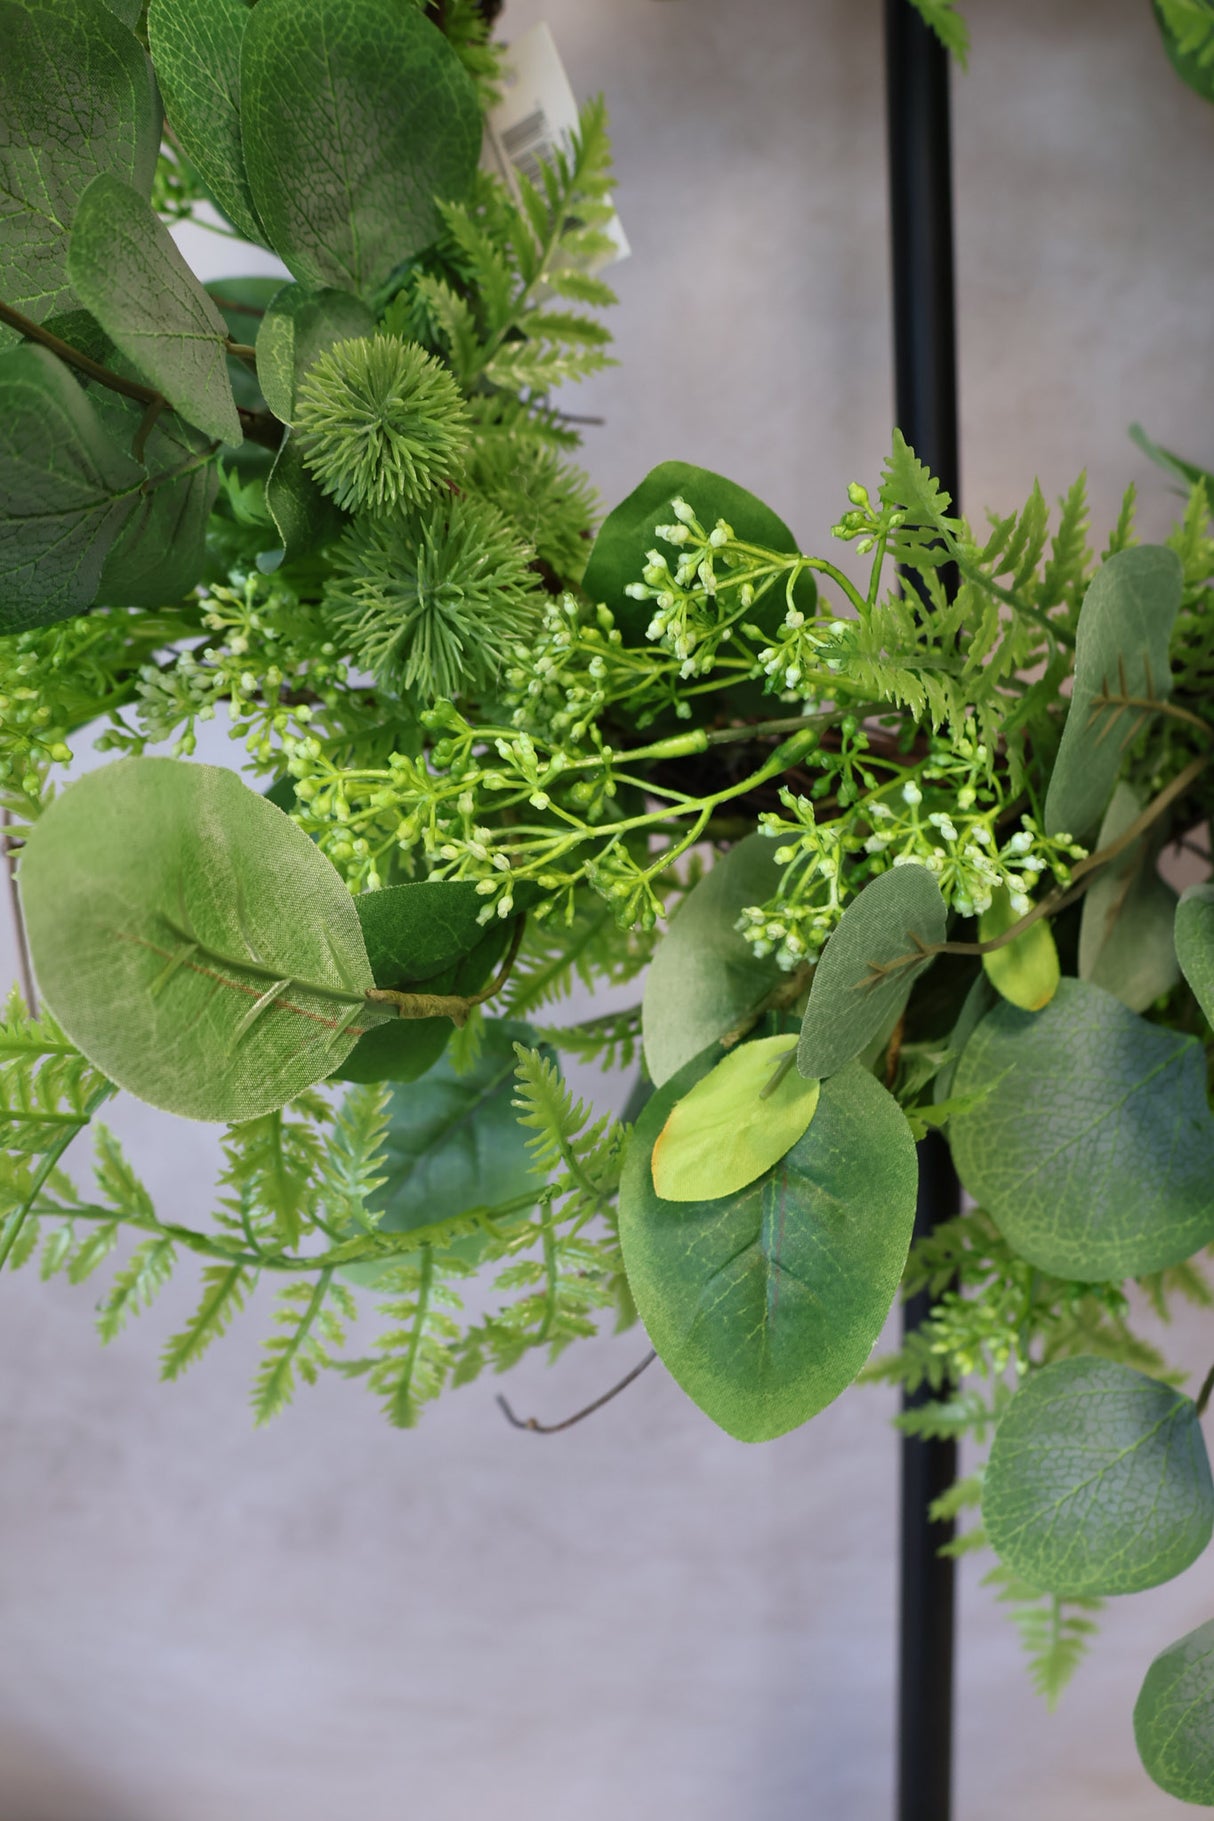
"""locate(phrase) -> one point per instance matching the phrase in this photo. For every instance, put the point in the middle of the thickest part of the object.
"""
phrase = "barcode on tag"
(527, 142)
(537, 113)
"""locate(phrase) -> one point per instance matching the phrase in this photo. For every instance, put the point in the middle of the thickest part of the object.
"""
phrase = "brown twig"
(519, 1422)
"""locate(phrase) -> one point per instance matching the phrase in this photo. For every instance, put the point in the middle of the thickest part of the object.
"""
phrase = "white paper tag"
(536, 114)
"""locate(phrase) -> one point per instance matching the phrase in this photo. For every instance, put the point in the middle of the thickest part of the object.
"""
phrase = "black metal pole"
(925, 378)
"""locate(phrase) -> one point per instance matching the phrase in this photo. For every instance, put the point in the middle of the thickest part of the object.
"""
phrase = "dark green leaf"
(298, 327)
(304, 515)
(192, 941)
(1094, 1148)
(127, 271)
(705, 978)
(1125, 936)
(454, 1142)
(66, 491)
(1174, 1718)
(618, 556)
(357, 121)
(979, 1000)
(765, 1304)
(1098, 1481)
(76, 98)
(195, 47)
(1188, 36)
(864, 977)
(423, 937)
(735, 1124)
(1194, 941)
(1121, 666)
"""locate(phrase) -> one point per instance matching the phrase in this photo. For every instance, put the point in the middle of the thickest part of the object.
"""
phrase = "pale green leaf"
(76, 98)
(192, 940)
(868, 967)
(1094, 1148)
(195, 47)
(1121, 668)
(127, 271)
(1125, 935)
(706, 977)
(765, 1304)
(1026, 971)
(1098, 1481)
(1174, 1718)
(357, 121)
(733, 1125)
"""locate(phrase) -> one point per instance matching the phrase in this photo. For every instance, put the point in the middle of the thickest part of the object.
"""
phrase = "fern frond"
(613, 1039)
(45, 1082)
(592, 1154)
(563, 1292)
(353, 1160)
(414, 1358)
(1191, 23)
(271, 1170)
(944, 19)
(225, 1291)
(137, 1285)
(1055, 1633)
(587, 945)
(313, 1320)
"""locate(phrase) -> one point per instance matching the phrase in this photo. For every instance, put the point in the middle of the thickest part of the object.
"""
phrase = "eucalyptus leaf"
(1098, 1481)
(734, 1125)
(424, 937)
(191, 940)
(1194, 941)
(1174, 1718)
(158, 556)
(618, 556)
(706, 977)
(195, 47)
(979, 1000)
(127, 271)
(454, 1142)
(66, 491)
(357, 119)
(765, 1304)
(77, 98)
(864, 979)
(1125, 935)
(1025, 971)
(297, 328)
(1121, 666)
(1094, 1148)
(304, 515)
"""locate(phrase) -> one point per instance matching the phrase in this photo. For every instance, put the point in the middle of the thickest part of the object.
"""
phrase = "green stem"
(404, 1384)
(16, 1220)
(1203, 1396)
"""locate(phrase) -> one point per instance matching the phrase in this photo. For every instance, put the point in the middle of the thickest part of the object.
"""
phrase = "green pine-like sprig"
(382, 423)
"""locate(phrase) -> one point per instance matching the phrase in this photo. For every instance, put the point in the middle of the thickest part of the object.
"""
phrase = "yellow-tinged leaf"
(727, 1131)
(1026, 971)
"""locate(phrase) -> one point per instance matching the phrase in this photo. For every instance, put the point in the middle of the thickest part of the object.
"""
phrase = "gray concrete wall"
(642, 1618)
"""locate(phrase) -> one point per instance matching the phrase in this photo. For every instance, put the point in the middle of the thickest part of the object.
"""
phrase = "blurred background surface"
(641, 1617)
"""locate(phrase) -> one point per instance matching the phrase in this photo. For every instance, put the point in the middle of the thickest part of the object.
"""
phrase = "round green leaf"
(1026, 971)
(76, 97)
(297, 328)
(618, 555)
(191, 940)
(1098, 1481)
(127, 271)
(733, 1125)
(357, 119)
(764, 1304)
(1174, 1718)
(1194, 939)
(195, 47)
(1125, 935)
(864, 978)
(1121, 652)
(705, 977)
(1093, 1149)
